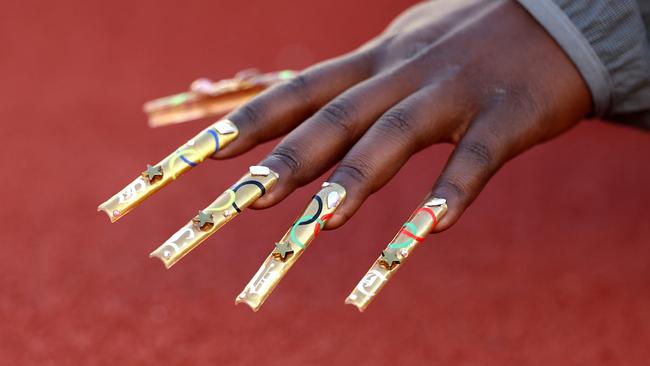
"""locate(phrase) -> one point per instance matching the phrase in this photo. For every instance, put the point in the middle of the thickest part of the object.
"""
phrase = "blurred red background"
(551, 266)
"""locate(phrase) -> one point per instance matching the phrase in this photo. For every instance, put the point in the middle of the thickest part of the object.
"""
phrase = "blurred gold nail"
(292, 245)
(418, 226)
(229, 204)
(207, 98)
(203, 145)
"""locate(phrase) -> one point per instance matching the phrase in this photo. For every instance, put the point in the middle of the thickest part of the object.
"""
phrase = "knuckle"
(367, 60)
(252, 112)
(353, 172)
(338, 114)
(477, 152)
(358, 169)
(380, 48)
(299, 87)
(396, 121)
(518, 99)
(447, 182)
(289, 157)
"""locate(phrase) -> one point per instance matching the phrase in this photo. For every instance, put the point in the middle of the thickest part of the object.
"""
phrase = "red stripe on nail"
(411, 235)
(324, 219)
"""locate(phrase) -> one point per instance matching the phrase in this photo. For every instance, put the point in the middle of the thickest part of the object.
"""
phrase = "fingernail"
(155, 177)
(229, 204)
(296, 240)
(207, 98)
(414, 231)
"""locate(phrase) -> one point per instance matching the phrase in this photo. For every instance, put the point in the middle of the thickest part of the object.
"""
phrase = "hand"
(483, 75)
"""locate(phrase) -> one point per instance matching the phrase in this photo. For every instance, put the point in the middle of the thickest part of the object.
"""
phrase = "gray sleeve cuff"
(606, 40)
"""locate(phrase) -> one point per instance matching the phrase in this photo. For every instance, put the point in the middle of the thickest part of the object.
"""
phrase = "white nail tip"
(435, 202)
(259, 170)
(333, 199)
(225, 127)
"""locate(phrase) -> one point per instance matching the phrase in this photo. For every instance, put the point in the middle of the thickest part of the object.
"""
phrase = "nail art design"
(207, 98)
(414, 231)
(228, 205)
(292, 245)
(155, 177)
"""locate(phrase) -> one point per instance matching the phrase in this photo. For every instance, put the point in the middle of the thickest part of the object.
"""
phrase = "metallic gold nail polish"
(292, 245)
(207, 98)
(418, 226)
(229, 204)
(155, 177)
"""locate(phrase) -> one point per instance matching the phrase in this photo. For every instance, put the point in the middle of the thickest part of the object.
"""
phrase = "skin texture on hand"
(482, 75)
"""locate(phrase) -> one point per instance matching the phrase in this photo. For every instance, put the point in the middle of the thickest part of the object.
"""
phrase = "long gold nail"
(155, 177)
(229, 204)
(207, 98)
(292, 245)
(418, 226)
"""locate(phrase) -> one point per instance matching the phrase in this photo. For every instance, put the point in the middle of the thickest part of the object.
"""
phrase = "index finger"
(281, 108)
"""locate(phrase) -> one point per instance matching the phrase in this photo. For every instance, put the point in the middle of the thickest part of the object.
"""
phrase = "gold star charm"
(389, 258)
(282, 250)
(203, 220)
(153, 173)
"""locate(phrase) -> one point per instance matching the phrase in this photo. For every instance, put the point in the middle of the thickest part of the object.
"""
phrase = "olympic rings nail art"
(229, 204)
(419, 225)
(155, 177)
(292, 245)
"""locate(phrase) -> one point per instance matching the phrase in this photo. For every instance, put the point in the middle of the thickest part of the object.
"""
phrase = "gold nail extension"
(203, 145)
(207, 98)
(418, 226)
(292, 245)
(229, 204)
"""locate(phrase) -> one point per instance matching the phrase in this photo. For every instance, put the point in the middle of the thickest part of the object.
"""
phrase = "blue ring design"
(216, 140)
(188, 162)
(248, 182)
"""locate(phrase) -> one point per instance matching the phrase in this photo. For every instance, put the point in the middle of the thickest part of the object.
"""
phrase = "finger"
(478, 155)
(279, 109)
(321, 141)
(416, 122)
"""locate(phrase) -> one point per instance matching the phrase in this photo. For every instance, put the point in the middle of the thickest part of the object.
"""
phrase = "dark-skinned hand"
(480, 74)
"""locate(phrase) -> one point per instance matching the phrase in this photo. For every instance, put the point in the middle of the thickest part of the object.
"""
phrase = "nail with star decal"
(296, 240)
(155, 177)
(418, 226)
(153, 173)
(248, 189)
(204, 221)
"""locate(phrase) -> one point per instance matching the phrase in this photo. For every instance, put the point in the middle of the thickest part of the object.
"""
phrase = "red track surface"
(551, 266)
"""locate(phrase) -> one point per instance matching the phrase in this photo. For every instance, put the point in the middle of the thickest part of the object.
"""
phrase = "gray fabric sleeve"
(644, 5)
(608, 43)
